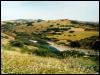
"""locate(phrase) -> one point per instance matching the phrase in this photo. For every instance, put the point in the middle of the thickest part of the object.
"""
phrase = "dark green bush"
(71, 31)
(29, 23)
(16, 43)
(58, 24)
(73, 53)
(96, 45)
(75, 44)
(44, 52)
(40, 20)
(90, 42)
(61, 43)
(7, 27)
(75, 22)
(51, 25)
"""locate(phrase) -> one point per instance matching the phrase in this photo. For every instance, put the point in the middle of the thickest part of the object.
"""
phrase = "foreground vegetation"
(42, 61)
(17, 63)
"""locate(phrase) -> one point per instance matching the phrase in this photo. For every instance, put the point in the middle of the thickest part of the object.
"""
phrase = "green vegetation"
(7, 27)
(72, 53)
(90, 42)
(75, 22)
(19, 55)
(16, 43)
(31, 64)
(75, 44)
(71, 31)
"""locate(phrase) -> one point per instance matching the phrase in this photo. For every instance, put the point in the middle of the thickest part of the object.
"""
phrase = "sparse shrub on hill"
(71, 31)
(51, 25)
(74, 22)
(16, 43)
(43, 42)
(69, 35)
(40, 20)
(74, 35)
(75, 44)
(61, 43)
(69, 40)
(8, 27)
(54, 39)
(29, 23)
(90, 42)
(23, 35)
(42, 51)
(58, 24)
(73, 53)
(96, 45)
(69, 26)
(6, 37)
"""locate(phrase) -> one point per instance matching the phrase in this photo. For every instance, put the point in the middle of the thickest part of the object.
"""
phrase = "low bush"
(16, 43)
(90, 42)
(75, 44)
(44, 52)
(61, 43)
(73, 53)
(71, 31)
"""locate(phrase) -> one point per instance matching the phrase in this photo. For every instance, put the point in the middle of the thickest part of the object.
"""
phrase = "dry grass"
(77, 35)
(17, 63)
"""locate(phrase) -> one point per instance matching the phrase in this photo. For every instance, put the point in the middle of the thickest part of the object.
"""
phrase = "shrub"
(22, 34)
(69, 35)
(73, 53)
(75, 44)
(43, 42)
(74, 35)
(69, 40)
(61, 43)
(29, 23)
(40, 20)
(71, 31)
(74, 22)
(96, 45)
(44, 52)
(6, 37)
(7, 27)
(24, 49)
(58, 24)
(90, 42)
(51, 25)
(16, 43)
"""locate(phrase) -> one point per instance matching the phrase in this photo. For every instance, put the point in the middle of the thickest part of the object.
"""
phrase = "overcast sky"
(76, 10)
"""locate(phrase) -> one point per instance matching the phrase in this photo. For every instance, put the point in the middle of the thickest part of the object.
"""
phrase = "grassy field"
(16, 63)
(77, 35)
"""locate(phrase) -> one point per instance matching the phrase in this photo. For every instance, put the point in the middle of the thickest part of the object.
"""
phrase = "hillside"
(70, 46)
(58, 31)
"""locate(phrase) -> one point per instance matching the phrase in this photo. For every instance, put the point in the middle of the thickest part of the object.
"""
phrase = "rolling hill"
(62, 43)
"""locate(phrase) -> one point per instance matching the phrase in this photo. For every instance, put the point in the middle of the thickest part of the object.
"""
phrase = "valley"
(72, 45)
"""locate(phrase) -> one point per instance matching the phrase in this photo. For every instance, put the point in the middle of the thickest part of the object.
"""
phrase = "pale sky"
(75, 10)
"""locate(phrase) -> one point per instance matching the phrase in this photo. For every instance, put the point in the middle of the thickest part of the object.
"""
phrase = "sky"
(49, 10)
